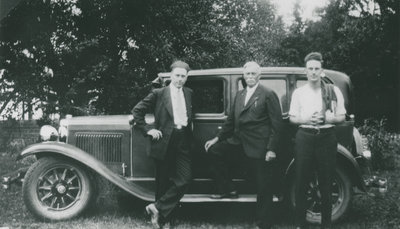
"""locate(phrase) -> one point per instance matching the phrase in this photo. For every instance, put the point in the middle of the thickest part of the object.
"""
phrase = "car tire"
(341, 197)
(57, 189)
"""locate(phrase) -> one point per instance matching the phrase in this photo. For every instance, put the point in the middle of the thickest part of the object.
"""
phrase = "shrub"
(385, 146)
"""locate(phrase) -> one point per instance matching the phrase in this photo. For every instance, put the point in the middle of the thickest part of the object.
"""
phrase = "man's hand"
(329, 116)
(155, 134)
(211, 142)
(270, 156)
(317, 119)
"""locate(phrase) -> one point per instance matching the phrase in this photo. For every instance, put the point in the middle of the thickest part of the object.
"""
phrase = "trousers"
(315, 153)
(173, 174)
(261, 172)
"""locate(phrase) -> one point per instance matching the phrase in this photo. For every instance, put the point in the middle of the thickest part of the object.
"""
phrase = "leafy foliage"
(102, 54)
(361, 39)
(385, 147)
(98, 57)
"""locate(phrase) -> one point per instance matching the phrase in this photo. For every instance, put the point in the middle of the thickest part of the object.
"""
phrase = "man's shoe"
(230, 195)
(153, 212)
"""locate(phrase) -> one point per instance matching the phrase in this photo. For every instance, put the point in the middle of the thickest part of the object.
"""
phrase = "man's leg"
(221, 158)
(179, 175)
(304, 147)
(163, 168)
(264, 180)
(326, 158)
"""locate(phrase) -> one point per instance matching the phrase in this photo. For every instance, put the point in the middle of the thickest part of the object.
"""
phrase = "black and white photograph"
(159, 114)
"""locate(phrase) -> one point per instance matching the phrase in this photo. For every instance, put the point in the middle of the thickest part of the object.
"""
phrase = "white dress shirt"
(250, 92)
(178, 106)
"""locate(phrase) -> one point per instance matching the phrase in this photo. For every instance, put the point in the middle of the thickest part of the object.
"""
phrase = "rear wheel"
(57, 189)
(341, 197)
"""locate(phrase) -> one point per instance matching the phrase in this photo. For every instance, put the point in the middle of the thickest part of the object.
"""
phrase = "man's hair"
(180, 64)
(313, 56)
(252, 64)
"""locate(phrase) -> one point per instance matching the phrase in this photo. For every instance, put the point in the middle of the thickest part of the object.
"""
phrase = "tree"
(361, 38)
(98, 57)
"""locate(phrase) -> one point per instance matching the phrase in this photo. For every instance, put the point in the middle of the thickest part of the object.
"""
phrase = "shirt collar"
(173, 88)
(252, 89)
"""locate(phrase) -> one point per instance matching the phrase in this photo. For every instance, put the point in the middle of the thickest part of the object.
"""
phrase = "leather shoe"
(153, 212)
(230, 195)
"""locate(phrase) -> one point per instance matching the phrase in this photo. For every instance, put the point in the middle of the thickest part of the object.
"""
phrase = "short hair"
(180, 64)
(252, 64)
(313, 56)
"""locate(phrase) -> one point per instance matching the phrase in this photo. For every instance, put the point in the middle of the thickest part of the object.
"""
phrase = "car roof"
(264, 70)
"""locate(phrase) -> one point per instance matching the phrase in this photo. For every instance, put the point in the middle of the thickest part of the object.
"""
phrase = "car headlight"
(48, 133)
(367, 154)
(63, 133)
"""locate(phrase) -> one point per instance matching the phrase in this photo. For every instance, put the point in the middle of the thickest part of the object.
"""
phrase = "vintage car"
(60, 184)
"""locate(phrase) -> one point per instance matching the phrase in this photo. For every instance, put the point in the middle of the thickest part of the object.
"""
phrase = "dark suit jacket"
(159, 102)
(255, 125)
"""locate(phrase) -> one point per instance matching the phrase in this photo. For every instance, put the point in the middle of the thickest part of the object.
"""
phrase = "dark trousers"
(173, 174)
(261, 172)
(314, 152)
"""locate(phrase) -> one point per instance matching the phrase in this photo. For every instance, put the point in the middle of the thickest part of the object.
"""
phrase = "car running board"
(194, 198)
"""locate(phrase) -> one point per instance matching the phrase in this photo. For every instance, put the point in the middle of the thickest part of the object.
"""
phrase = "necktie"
(181, 107)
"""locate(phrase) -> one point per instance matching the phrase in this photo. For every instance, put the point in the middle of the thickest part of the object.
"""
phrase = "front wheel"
(57, 189)
(341, 197)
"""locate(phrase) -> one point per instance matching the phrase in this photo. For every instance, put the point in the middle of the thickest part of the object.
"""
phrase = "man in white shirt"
(171, 136)
(316, 107)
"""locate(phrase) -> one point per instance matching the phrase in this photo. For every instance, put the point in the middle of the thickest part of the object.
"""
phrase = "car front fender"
(345, 159)
(74, 153)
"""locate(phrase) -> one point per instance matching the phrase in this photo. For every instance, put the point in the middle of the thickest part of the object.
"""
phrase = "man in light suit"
(171, 136)
(250, 131)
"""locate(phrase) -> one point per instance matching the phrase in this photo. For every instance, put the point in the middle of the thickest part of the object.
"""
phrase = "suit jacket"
(255, 125)
(159, 102)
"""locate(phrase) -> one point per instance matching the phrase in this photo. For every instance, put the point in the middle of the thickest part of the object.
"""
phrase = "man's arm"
(140, 110)
(229, 125)
(275, 114)
(340, 115)
(227, 128)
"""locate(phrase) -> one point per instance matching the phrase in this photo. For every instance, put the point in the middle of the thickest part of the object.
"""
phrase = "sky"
(285, 8)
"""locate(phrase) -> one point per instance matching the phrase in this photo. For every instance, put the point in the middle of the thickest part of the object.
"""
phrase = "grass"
(368, 211)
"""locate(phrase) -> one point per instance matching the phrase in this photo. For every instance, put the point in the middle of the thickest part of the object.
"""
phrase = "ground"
(375, 210)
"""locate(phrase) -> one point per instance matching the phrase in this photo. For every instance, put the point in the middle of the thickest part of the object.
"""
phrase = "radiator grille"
(106, 147)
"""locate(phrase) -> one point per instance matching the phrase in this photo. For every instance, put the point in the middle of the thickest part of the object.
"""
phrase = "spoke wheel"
(341, 197)
(57, 189)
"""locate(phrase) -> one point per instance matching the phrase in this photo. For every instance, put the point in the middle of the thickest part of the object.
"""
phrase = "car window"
(278, 86)
(208, 95)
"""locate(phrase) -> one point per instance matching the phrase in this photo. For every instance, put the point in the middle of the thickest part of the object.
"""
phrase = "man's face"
(314, 70)
(251, 76)
(178, 77)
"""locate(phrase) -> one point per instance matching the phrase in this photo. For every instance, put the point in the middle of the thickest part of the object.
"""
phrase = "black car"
(59, 184)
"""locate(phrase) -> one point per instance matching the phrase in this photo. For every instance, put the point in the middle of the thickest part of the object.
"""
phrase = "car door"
(210, 101)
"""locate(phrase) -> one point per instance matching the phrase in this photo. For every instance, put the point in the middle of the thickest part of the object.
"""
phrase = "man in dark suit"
(171, 136)
(250, 131)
